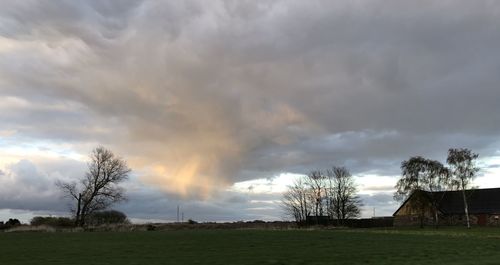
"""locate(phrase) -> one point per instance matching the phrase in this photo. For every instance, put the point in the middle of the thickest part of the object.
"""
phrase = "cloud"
(28, 189)
(149, 203)
(200, 95)
(24, 187)
(378, 204)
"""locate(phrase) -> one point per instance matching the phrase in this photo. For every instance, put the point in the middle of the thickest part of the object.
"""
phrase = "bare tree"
(317, 185)
(306, 197)
(296, 201)
(318, 194)
(98, 189)
(464, 170)
(344, 203)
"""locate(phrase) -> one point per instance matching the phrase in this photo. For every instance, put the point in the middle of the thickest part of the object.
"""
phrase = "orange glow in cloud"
(186, 179)
(204, 156)
(195, 170)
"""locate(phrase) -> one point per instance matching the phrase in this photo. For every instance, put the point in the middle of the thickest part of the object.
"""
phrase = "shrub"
(12, 222)
(107, 217)
(52, 221)
(192, 222)
(256, 222)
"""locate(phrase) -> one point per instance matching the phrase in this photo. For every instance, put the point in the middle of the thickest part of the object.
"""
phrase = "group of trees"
(421, 175)
(9, 223)
(330, 193)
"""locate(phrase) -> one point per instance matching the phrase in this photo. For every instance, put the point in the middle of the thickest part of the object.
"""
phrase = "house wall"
(493, 220)
(411, 220)
(458, 219)
(452, 220)
(407, 216)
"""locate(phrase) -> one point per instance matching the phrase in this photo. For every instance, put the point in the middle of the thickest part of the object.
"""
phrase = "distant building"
(483, 205)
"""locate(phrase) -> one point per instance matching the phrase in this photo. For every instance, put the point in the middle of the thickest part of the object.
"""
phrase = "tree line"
(420, 175)
(329, 193)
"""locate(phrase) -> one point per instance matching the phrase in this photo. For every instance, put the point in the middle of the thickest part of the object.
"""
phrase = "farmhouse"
(484, 208)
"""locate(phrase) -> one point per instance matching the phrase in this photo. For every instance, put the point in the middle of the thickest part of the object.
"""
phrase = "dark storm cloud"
(199, 95)
(24, 187)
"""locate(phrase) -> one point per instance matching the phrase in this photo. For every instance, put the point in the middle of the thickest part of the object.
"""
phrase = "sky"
(217, 106)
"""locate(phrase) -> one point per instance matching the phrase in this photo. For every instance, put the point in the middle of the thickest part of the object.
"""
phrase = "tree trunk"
(436, 217)
(84, 211)
(466, 208)
(78, 210)
(422, 216)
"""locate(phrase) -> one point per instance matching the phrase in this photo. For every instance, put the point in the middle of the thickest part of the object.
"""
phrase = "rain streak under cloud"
(203, 97)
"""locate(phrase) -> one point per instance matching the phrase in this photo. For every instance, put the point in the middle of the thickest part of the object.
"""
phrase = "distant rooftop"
(479, 201)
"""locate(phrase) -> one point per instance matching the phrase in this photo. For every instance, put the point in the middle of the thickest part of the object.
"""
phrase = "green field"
(412, 246)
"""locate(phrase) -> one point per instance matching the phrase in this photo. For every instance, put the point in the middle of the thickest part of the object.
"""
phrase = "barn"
(484, 208)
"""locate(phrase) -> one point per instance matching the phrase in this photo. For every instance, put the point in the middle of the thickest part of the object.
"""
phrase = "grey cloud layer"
(30, 189)
(24, 186)
(252, 88)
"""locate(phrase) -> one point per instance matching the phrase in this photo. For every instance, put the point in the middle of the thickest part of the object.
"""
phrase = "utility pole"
(177, 213)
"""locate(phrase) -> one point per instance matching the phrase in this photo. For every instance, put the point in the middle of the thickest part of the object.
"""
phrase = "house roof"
(480, 201)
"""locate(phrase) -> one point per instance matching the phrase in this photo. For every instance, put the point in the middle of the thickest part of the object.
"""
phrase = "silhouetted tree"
(317, 194)
(98, 189)
(436, 179)
(12, 222)
(344, 203)
(316, 182)
(419, 176)
(296, 201)
(464, 170)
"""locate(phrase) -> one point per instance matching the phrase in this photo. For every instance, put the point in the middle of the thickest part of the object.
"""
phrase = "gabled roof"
(404, 203)
(479, 201)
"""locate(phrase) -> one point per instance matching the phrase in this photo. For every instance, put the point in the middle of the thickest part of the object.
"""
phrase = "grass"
(401, 246)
